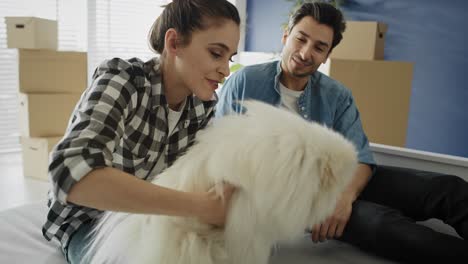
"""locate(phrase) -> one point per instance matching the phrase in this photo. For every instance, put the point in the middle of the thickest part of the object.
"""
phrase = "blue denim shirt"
(324, 100)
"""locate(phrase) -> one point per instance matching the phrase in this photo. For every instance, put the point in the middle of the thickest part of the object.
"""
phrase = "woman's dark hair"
(323, 13)
(186, 16)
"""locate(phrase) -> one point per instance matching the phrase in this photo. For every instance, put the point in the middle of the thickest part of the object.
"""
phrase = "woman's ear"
(170, 41)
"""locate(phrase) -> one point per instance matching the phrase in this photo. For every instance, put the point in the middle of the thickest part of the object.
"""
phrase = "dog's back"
(289, 173)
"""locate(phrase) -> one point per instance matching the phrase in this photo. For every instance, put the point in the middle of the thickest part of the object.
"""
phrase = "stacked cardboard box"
(362, 40)
(380, 88)
(50, 84)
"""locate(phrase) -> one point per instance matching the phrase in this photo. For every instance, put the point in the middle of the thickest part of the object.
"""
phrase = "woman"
(135, 119)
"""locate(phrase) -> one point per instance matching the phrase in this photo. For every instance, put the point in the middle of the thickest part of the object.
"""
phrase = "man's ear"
(326, 58)
(285, 37)
(170, 41)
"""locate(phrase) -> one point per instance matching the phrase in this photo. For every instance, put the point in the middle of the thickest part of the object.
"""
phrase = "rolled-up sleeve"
(348, 123)
(95, 128)
(231, 95)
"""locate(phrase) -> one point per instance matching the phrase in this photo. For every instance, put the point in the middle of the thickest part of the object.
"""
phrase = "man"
(379, 209)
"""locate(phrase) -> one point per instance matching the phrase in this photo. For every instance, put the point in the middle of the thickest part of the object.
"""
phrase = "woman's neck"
(173, 86)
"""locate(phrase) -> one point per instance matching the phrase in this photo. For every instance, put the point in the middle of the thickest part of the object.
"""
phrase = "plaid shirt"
(120, 122)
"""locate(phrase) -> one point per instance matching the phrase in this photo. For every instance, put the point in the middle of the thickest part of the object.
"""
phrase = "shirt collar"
(310, 82)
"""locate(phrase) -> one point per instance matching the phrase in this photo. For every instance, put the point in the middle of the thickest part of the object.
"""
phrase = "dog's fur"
(289, 174)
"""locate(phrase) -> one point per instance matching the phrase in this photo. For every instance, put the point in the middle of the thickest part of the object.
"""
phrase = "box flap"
(24, 19)
(19, 20)
(382, 28)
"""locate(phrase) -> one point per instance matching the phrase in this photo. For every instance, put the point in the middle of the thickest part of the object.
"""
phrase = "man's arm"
(359, 181)
(348, 123)
(114, 190)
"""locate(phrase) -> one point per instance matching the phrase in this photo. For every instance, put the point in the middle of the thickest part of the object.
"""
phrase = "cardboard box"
(45, 115)
(382, 91)
(45, 71)
(362, 40)
(31, 33)
(35, 153)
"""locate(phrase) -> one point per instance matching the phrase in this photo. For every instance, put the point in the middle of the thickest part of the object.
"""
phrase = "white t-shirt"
(173, 118)
(289, 98)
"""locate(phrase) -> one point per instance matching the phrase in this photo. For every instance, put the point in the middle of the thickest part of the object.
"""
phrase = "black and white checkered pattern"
(120, 122)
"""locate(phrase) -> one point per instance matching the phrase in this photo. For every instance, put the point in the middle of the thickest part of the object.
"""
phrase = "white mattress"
(21, 241)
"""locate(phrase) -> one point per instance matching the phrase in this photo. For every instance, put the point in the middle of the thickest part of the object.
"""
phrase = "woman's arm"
(111, 189)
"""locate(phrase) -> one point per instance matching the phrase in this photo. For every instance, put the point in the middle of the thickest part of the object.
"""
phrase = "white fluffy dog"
(289, 174)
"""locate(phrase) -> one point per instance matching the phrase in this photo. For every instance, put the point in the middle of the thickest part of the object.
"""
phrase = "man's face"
(305, 47)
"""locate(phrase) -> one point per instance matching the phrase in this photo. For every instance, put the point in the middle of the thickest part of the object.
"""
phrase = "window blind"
(115, 28)
(9, 132)
(119, 28)
(103, 28)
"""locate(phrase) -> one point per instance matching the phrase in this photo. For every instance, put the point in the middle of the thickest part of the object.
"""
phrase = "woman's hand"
(215, 208)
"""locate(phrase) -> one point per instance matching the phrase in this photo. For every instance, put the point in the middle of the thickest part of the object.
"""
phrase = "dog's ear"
(326, 173)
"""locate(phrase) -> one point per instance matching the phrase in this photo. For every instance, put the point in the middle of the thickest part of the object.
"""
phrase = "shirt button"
(305, 116)
(303, 108)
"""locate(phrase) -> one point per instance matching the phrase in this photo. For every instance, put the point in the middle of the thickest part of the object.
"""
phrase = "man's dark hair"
(323, 13)
(186, 16)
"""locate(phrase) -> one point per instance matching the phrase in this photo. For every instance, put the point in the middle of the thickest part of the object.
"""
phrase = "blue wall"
(430, 33)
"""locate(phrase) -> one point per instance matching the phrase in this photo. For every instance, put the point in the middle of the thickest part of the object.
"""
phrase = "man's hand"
(334, 225)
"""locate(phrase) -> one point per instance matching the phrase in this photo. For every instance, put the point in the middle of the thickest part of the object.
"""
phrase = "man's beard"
(306, 73)
(302, 75)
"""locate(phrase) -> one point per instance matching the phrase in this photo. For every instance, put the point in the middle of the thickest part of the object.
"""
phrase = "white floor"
(15, 189)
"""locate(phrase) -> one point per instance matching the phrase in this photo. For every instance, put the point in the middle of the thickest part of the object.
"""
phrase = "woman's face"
(204, 62)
